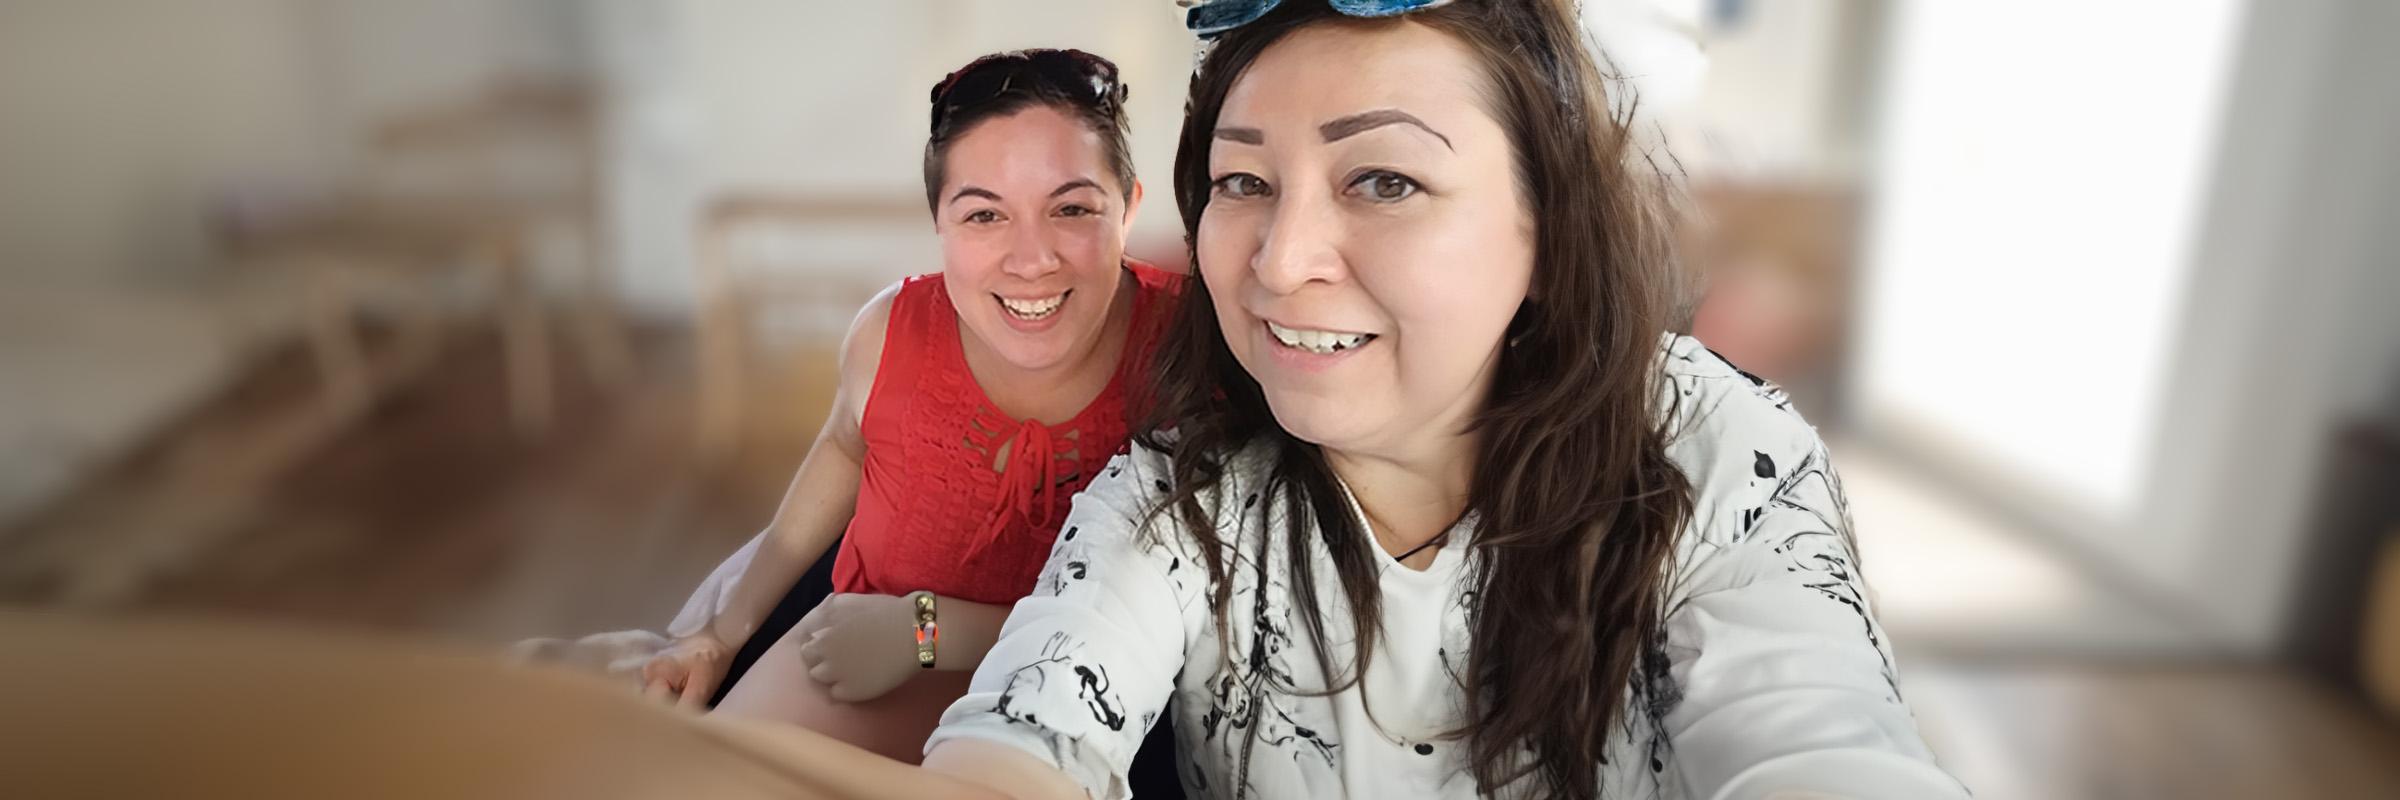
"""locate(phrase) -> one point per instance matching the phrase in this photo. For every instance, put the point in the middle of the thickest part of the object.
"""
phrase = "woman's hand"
(688, 671)
(859, 645)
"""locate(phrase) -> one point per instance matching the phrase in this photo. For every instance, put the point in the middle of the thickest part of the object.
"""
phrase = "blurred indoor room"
(467, 322)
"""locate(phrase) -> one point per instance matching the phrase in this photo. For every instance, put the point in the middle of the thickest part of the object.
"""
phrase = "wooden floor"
(431, 517)
(2150, 730)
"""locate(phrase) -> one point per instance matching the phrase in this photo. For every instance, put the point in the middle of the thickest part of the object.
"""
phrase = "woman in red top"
(973, 404)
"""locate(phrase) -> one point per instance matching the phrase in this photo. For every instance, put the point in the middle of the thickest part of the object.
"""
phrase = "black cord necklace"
(1421, 547)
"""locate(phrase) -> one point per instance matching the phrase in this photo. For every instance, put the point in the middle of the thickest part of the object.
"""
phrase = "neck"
(1414, 489)
(1412, 497)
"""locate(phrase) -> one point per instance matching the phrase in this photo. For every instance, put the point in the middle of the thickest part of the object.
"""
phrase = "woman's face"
(1033, 227)
(1365, 244)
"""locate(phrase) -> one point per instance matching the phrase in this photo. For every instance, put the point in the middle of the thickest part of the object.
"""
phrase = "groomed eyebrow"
(974, 191)
(1343, 128)
(1078, 183)
(1364, 121)
(1242, 135)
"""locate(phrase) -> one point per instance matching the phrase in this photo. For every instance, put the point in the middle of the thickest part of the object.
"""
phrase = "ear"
(1133, 203)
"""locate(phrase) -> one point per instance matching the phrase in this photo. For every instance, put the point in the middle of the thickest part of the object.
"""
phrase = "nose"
(1032, 255)
(1301, 244)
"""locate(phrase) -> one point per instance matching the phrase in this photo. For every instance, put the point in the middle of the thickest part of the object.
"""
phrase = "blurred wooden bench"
(468, 188)
(737, 286)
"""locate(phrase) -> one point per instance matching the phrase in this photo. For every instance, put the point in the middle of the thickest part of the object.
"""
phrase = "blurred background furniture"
(476, 190)
(2346, 624)
(750, 268)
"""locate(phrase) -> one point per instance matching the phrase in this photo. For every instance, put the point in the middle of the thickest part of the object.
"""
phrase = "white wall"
(2289, 330)
(2032, 232)
(2130, 263)
(1778, 100)
(379, 55)
(117, 118)
(122, 120)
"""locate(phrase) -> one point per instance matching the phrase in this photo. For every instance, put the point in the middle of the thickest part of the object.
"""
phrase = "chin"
(1033, 356)
(1329, 422)
(1028, 351)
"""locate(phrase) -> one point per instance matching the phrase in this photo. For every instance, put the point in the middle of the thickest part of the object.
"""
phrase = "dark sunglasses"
(1082, 77)
(1211, 17)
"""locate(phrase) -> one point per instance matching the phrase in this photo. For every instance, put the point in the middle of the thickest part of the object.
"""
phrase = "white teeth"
(1321, 342)
(1032, 309)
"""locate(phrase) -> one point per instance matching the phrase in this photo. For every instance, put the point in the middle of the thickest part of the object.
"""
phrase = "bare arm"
(968, 630)
(823, 495)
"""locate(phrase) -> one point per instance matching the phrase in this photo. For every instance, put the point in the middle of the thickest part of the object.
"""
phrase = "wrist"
(727, 632)
(924, 609)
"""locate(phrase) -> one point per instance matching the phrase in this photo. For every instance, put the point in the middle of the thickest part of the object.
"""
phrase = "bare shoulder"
(862, 352)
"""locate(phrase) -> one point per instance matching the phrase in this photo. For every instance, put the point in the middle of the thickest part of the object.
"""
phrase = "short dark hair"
(1105, 117)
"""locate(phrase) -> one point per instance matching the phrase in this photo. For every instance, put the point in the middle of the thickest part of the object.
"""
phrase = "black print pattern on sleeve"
(1070, 560)
(1821, 552)
(1095, 696)
(1059, 664)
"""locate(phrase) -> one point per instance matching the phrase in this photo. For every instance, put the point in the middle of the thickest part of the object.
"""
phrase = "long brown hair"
(1578, 506)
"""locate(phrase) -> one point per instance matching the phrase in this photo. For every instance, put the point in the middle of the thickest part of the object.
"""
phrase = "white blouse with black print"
(1779, 677)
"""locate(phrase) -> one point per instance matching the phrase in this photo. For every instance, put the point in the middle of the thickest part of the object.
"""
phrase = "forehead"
(1038, 143)
(1332, 69)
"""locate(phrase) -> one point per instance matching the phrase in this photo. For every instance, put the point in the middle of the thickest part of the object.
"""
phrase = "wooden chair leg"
(720, 359)
(333, 339)
(600, 329)
(420, 336)
(526, 340)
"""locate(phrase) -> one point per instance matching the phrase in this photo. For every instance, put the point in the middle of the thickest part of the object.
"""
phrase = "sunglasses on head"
(1082, 77)
(1211, 17)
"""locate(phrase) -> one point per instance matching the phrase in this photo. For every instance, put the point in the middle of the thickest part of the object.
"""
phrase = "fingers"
(812, 651)
(658, 689)
(822, 672)
(698, 690)
(663, 669)
(816, 620)
(847, 693)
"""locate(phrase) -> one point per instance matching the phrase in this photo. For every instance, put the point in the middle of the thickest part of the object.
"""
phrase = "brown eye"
(1241, 184)
(982, 217)
(1384, 187)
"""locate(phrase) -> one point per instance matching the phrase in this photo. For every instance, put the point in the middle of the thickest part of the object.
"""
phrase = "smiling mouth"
(1319, 342)
(1033, 310)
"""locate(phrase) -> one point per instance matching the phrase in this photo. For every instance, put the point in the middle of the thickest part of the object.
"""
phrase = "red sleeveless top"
(933, 514)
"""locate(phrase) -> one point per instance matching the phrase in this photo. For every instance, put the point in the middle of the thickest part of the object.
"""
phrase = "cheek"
(1225, 245)
(1472, 263)
(1451, 289)
(1092, 243)
(969, 258)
